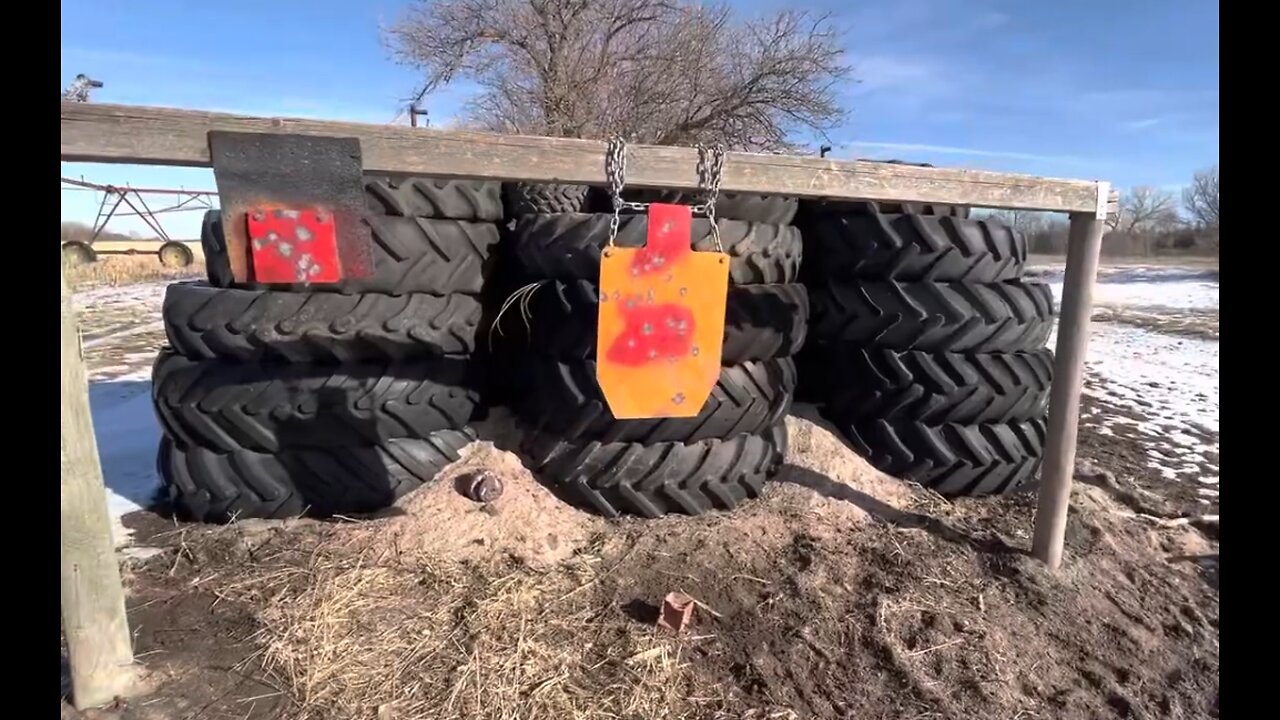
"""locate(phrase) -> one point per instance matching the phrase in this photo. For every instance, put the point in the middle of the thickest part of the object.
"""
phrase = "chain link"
(615, 169)
(710, 172)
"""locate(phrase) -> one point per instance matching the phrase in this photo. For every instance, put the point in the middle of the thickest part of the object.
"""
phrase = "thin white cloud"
(973, 152)
(1142, 124)
(878, 72)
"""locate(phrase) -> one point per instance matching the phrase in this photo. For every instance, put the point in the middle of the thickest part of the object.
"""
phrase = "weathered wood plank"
(164, 136)
(93, 616)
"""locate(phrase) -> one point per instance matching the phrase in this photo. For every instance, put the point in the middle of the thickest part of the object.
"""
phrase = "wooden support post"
(1083, 249)
(93, 614)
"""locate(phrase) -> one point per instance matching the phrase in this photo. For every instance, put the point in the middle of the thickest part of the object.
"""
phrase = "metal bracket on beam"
(292, 176)
(1106, 203)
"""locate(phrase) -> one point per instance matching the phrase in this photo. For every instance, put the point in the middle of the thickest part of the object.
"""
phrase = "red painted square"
(291, 246)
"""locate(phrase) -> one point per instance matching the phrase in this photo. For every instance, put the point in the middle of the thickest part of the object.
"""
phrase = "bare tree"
(655, 71)
(1026, 222)
(1200, 198)
(1146, 210)
(1045, 232)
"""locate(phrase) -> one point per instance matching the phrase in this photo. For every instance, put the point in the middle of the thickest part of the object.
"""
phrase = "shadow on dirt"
(893, 516)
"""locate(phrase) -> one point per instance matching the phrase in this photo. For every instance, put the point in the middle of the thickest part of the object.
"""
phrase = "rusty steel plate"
(303, 173)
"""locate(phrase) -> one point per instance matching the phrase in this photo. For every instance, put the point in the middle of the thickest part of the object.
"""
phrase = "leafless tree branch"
(1200, 198)
(655, 71)
(1145, 209)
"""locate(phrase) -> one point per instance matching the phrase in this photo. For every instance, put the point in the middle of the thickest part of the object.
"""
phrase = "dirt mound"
(526, 523)
(840, 593)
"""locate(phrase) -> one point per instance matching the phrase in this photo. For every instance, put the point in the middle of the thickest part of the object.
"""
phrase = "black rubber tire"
(564, 399)
(934, 317)
(748, 207)
(954, 460)
(615, 479)
(567, 246)
(227, 406)
(936, 388)
(175, 255)
(761, 322)
(210, 486)
(410, 255)
(428, 197)
(214, 245)
(541, 198)
(878, 246)
(204, 322)
(76, 253)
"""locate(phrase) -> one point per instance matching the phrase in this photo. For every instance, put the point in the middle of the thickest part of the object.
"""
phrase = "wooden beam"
(93, 616)
(1056, 471)
(94, 132)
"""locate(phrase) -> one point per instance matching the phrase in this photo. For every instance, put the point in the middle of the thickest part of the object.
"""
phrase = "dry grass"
(125, 270)
(394, 618)
(366, 631)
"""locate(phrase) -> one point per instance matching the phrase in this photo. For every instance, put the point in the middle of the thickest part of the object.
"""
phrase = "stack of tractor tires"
(927, 348)
(659, 466)
(280, 401)
(504, 345)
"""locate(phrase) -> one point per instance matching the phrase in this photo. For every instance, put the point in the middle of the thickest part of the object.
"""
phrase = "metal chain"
(710, 173)
(615, 169)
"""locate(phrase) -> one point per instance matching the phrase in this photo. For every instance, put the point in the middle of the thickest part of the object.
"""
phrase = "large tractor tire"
(653, 480)
(212, 486)
(564, 399)
(175, 255)
(879, 246)
(954, 460)
(934, 317)
(761, 321)
(523, 198)
(204, 322)
(76, 253)
(567, 247)
(934, 388)
(410, 255)
(213, 243)
(271, 408)
(426, 197)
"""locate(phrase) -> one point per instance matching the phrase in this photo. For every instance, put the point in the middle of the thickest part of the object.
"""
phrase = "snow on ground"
(1158, 383)
(120, 333)
(127, 432)
(1171, 288)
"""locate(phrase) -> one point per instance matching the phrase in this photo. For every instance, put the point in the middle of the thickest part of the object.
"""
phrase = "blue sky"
(1126, 92)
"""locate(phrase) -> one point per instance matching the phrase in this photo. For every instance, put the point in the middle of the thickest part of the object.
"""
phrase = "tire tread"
(653, 480)
(227, 406)
(211, 486)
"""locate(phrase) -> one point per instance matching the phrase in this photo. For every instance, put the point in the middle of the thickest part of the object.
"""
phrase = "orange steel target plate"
(661, 321)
